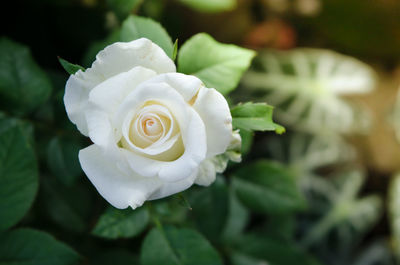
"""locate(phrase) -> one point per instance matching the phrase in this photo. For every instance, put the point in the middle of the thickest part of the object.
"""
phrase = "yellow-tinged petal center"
(154, 132)
(151, 127)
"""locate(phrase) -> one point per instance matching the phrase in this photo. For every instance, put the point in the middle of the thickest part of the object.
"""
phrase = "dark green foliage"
(268, 187)
(278, 207)
(177, 246)
(23, 85)
(69, 67)
(210, 208)
(115, 223)
(32, 247)
(18, 174)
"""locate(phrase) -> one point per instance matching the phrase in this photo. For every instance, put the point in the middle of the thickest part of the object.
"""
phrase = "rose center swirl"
(152, 130)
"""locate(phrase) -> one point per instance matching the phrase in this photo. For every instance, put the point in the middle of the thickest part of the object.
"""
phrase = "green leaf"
(68, 207)
(135, 27)
(255, 117)
(271, 251)
(115, 223)
(32, 247)
(247, 141)
(281, 227)
(307, 87)
(123, 8)
(210, 208)
(27, 129)
(23, 85)
(177, 246)
(18, 175)
(237, 218)
(70, 67)
(175, 53)
(218, 65)
(237, 258)
(267, 187)
(348, 216)
(62, 159)
(308, 152)
(170, 211)
(210, 6)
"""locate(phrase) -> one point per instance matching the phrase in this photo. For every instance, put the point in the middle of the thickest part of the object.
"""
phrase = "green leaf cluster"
(307, 87)
(18, 174)
(115, 223)
(219, 66)
(132, 28)
(24, 89)
(268, 187)
(27, 246)
(42, 184)
(273, 209)
(178, 246)
(255, 117)
(23, 85)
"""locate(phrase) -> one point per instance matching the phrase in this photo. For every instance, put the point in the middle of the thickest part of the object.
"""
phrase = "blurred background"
(331, 69)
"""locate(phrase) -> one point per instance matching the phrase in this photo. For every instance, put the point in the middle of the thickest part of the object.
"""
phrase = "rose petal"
(206, 174)
(194, 139)
(185, 165)
(99, 127)
(169, 188)
(191, 129)
(122, 56)
(214, 111)
(186, 85)
(106, 98)
(117, 187)
(160, 146)
(76, 96)
(110, 94)
(190, 124)
(114, 59)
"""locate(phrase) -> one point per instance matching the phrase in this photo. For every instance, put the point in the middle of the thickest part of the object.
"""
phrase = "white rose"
(155, 131)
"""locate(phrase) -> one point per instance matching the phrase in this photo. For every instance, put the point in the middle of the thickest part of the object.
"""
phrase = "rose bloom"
(155, 132)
